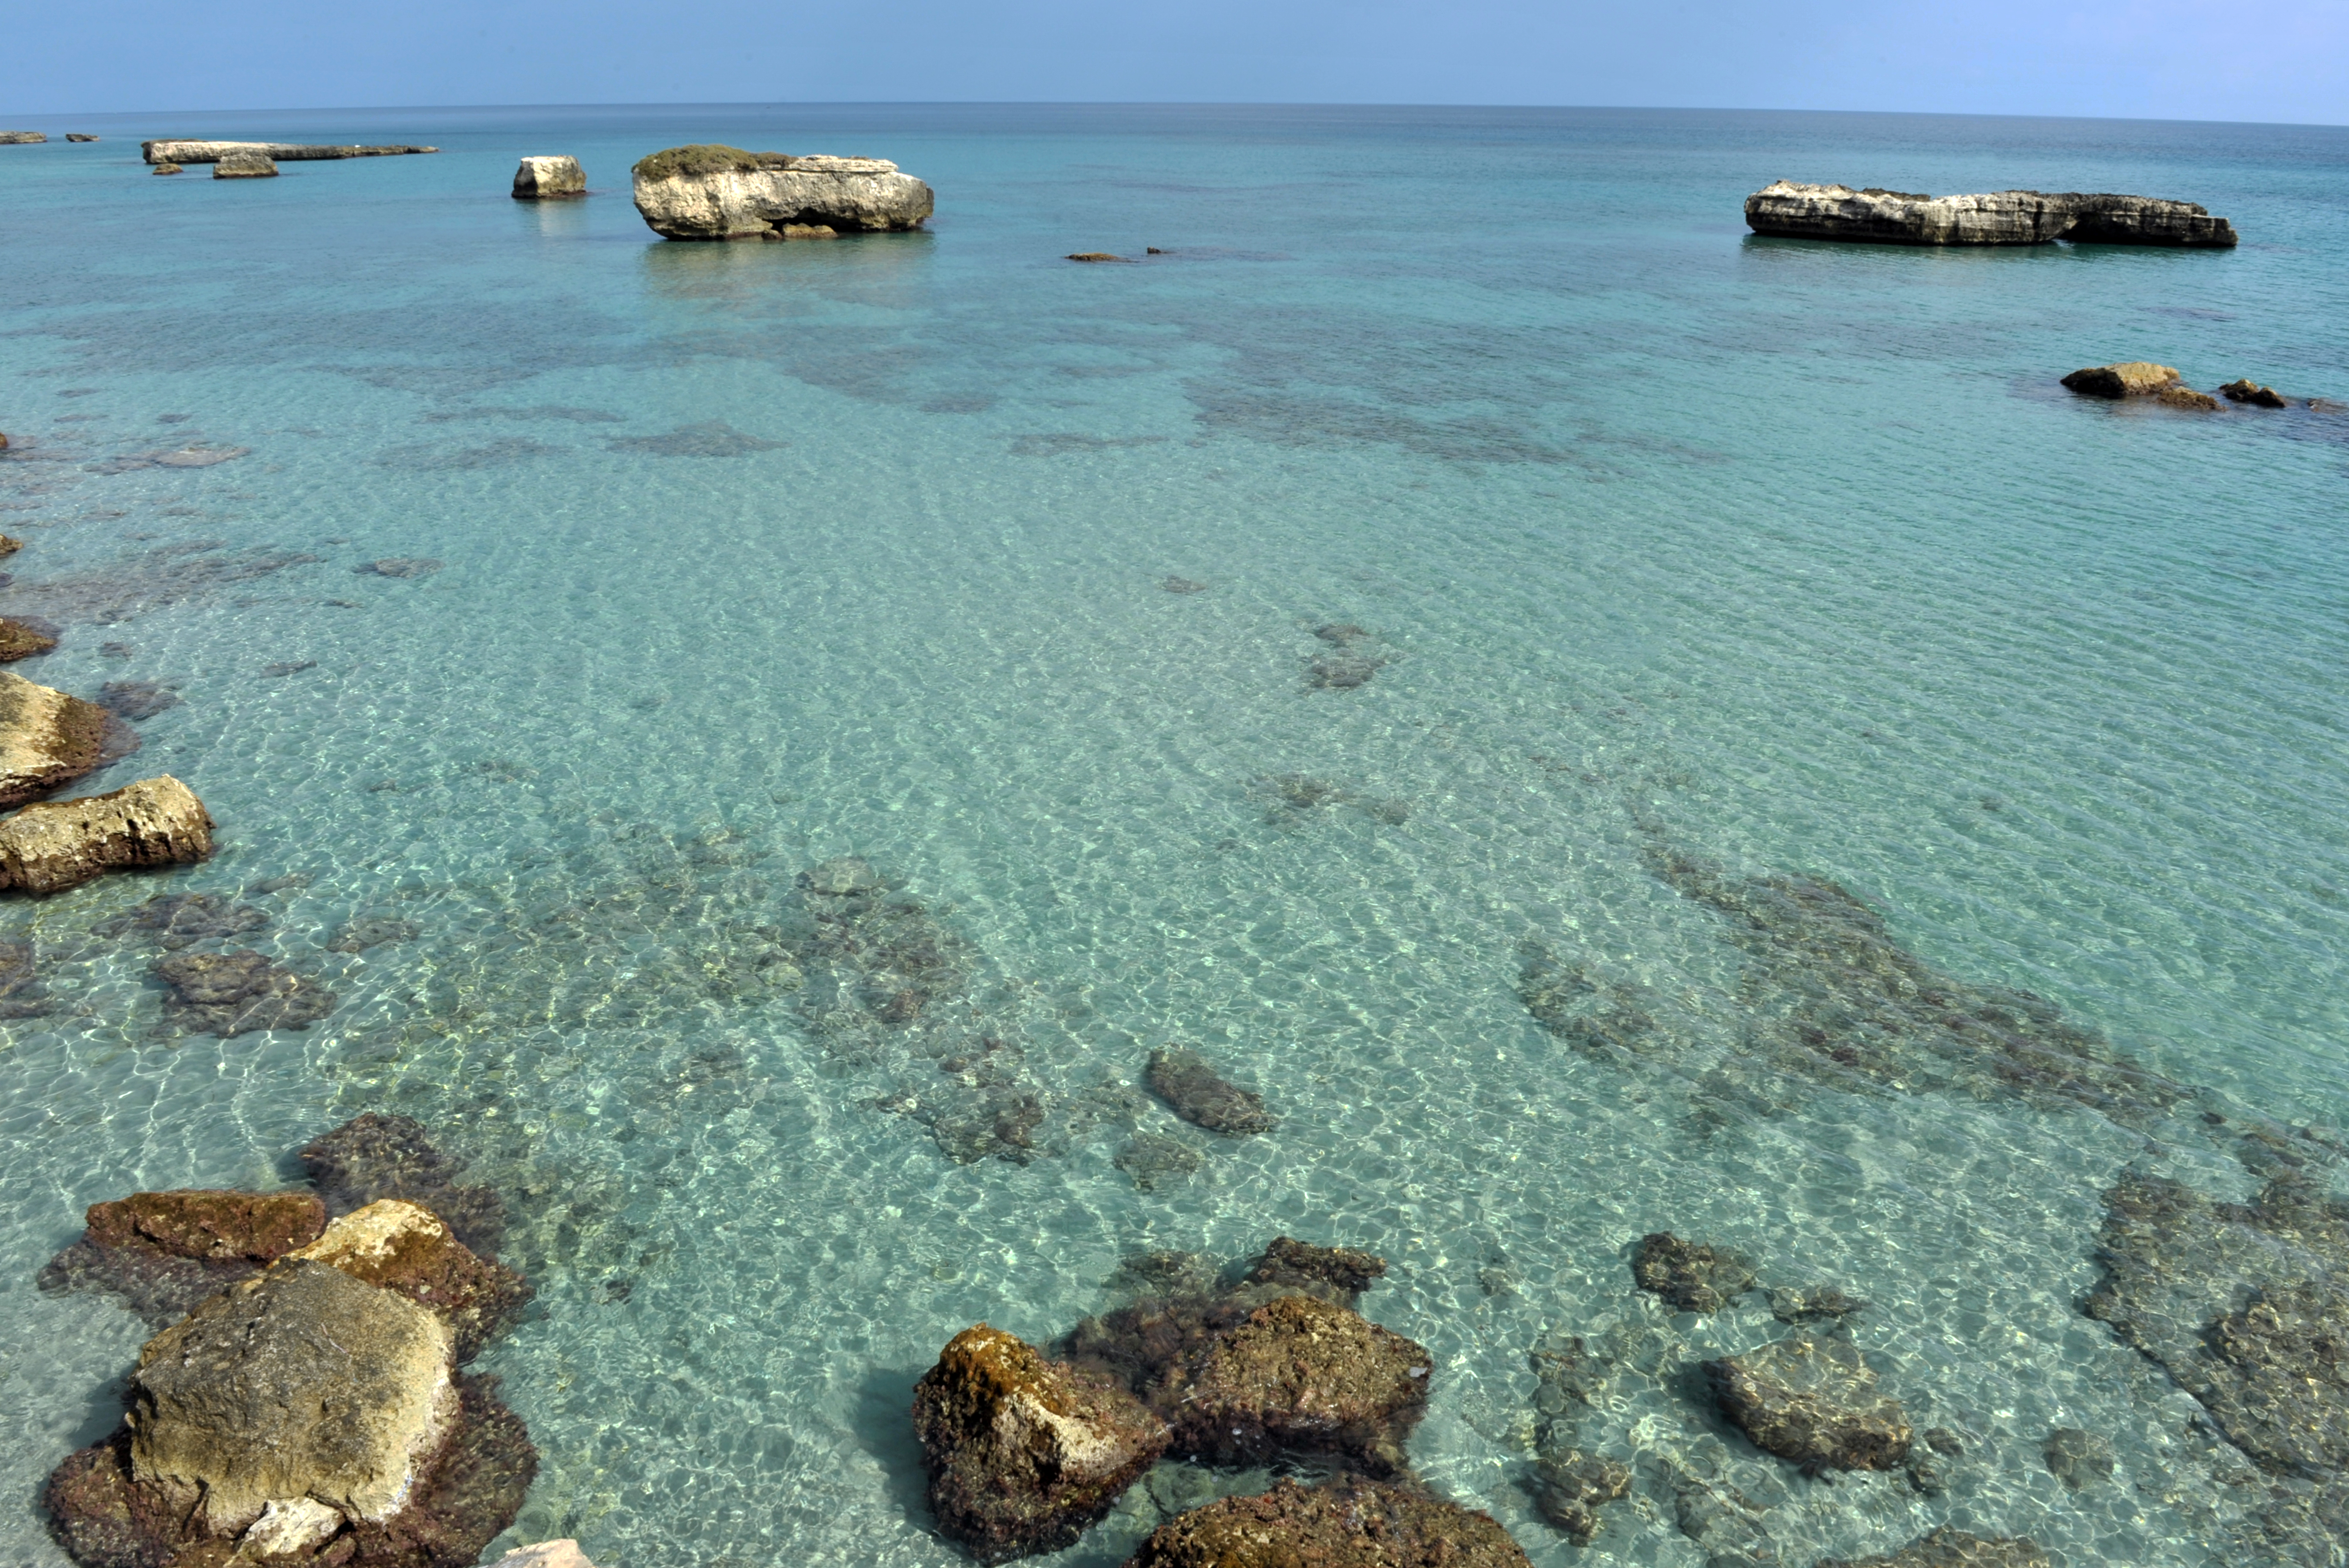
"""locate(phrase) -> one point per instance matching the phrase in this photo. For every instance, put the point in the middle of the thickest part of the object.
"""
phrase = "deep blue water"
(1673, 540)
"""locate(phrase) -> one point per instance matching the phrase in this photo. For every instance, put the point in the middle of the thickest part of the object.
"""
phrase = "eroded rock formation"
(1352, 1524)
(539, 178)
(170, 151)
(244, 164)
(709, 192)
(47, 739)
(50, 846)
(2139, 379)
(1996, 218)
(164, 1252)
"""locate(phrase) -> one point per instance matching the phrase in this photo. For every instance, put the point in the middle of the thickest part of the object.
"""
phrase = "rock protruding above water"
(79, 136)
(1024, 1454)
(1996, 218)
(170, 151)
(50, 846)
(374, 1156)
(1694, 1278)
(2246, 390)
(561, 1553)
(244, 164)
(1946, 1548)
(1352, 1524)
(1811, 1400)
(236, 992)
(164, 1252)
(168, 169)
(25, 640)
(1303, 1376)
(1199, 1094)
(22, 138)
(406, 1249)
(47, 739)
(709, 192)
(539, 178)
(2139, 379)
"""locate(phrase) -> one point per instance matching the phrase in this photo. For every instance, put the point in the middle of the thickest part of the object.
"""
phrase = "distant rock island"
(708, 191)
(168, 151)
(1998, 218)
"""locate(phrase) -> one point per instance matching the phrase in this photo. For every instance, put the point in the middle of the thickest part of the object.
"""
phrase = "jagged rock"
(1023, 1454)
(1199, 1094)
(164, 150)
(24, 639)
(2247, 391)
(715, 192)
(1351, 1523)
(50, 846)
(1813, 1401)
(2078, 1458)
(2138, 378)
(1339, 1275)
(183, 920)
(374, 1156)
(1996, 218)
(1569, 1488)
(405, 1248)
(232, 993)
(22, 138)
(1693, 1278)
(541, 178)
(244, 164)
(164, 1252)
(1946, 1548)
(47, 739)
(135, 698)
(1301, 1376)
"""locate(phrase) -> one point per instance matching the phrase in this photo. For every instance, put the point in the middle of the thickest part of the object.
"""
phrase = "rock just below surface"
(1814, 1401)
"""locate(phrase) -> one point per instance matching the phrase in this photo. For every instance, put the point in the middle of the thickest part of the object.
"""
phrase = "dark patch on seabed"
(156, 579)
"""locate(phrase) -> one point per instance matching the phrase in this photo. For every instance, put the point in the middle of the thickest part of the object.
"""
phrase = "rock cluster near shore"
(1996, 218)
(708, 191)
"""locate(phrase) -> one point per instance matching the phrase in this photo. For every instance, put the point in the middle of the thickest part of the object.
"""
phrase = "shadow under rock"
(885, 1428)
(103, 1412)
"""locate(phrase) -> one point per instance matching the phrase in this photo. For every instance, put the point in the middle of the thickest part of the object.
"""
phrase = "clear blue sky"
(2272, 60)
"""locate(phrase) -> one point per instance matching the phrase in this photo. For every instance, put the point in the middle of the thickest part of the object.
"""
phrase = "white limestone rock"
(712, 193)
(541, 178)
(1995, 218)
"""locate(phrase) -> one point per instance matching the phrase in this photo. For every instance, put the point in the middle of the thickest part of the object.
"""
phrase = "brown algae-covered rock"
(1304, 1376)
(164, 1252)
(1946, 1548)
(23, 639)
(234, 994)
(1352, 1524)
(1340, 1274)
(1199, 1094)
(47, 739)
(1813, 1401)
(1024, 1454)
(374, 1155)
(1694, 1278)
(50, 846)
(2247, 391)
(2138, 378)
(540, 179)
(712, 192)
(405, 1248)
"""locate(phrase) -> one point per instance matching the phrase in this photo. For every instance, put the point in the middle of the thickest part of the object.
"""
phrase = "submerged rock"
(79, 136)
(135, 698)
(1151, 1157)
(232, 993)
(399, 567)
(25, 640)
(374, 1156)
(22, 994)
(1997, 218)
(1199, 1094)
(371, 931)
(539, 178)
(2139, 379)
(1302, 1376)
(561, 1553)
(182, 919)
(1350, 1523)
(1568, 1490)
(1342, 671)
(244, 164)
(50, 846)
(1182, 585)
(1023, 1454)
(1814, 1305)
(164, 1252)
(2078, 1458)
(1946, 1548)
(1697, 1278)
(1339, 1275)
(47, 739)
(407, 1250)
(1813, 1401)
(2247, 391)
(709, 192)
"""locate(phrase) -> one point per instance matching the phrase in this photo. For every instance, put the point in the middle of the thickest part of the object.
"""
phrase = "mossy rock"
(700, 158)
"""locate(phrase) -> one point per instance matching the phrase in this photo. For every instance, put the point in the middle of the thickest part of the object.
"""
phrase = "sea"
(1527, 676)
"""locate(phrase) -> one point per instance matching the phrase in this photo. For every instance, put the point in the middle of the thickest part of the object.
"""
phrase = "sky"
(2278, 61)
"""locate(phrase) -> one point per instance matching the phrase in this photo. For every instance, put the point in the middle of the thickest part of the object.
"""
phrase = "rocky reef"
(236, 992)
(51, 845)
(1024, 1454)
(163, 1252)
(1997, 218)
(541, 179)
(709, 192)
(1350, 1523)
(1195, 1091)
(1811, 1400)
(165, 150)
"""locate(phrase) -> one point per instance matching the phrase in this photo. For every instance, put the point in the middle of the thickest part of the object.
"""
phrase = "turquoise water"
(1792, 556)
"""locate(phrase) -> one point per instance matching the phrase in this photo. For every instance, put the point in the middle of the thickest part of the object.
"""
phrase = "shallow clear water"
(1789, 555)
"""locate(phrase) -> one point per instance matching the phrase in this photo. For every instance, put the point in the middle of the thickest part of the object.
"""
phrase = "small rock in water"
(2138, 378)
(114, 650)
(563, 1554)
(1343, 671)
(539, 178)
(1182, 585)
(2078, 1458)
(163, 1252)
(26, 638)
(371, 931)
(1569, 1489)
(1339, 1275)
(1694, 1278)
(1199, 1094)
(234, 994)
(399, 567)
(9, 544)
(1814, 1305)
(182, 919)
(1303, 1376)
(47, 739)
(169, 169)
(51, 845)
(1096, 256)
(271, 672)
(244, 165)
(2249, 391)
(135, 698)
(1946, 1548)
(77, 136)
(842, 876)
(405, 1249)
(1812, 1401)
(22, 995)
(1150, 1158)
(1344, 633)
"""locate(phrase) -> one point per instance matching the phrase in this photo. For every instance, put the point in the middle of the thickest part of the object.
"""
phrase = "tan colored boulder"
(541, 178)
(244, 165)
(47, 739)
(405, 1248)
(1350, 1523)
(54, 844)
(303, 1382)
(1304, 1374)
(711, 192)
(2136, 378)
(1023, 1453)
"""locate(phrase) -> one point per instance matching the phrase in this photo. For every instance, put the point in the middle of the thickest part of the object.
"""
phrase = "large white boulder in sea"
(711, 192)
(541, 178)
(1997, 218)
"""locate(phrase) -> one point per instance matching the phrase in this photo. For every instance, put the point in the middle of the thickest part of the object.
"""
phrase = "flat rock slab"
(1303, 1376)
(1814, 1401)
(170, 151)
(710, 191)
(51, 845)
(1350, 1524)
(1874, 216)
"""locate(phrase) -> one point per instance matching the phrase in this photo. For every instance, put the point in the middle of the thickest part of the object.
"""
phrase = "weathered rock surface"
(22, 138)
(708, 191)
(1946, 1548)
(405, 1248)
(2139, 379)
(164, 1252)
(54, 844)
(1353, 1523)
(177, 920)
(170, 151)
(47, 739)
(168, 169)
(1996, 218)
(1301, 1376)
(563, 1554)
(374, 1156)
(244, 164)
(1339, 1275)
(1024, 1454)
(1697, 1278)
(1199, 1094)
(1569, 1488)
(234, 994)
(1814, 1401)
(2246, 390)
(2078, 1458)
(541, 178)
(25, 639)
